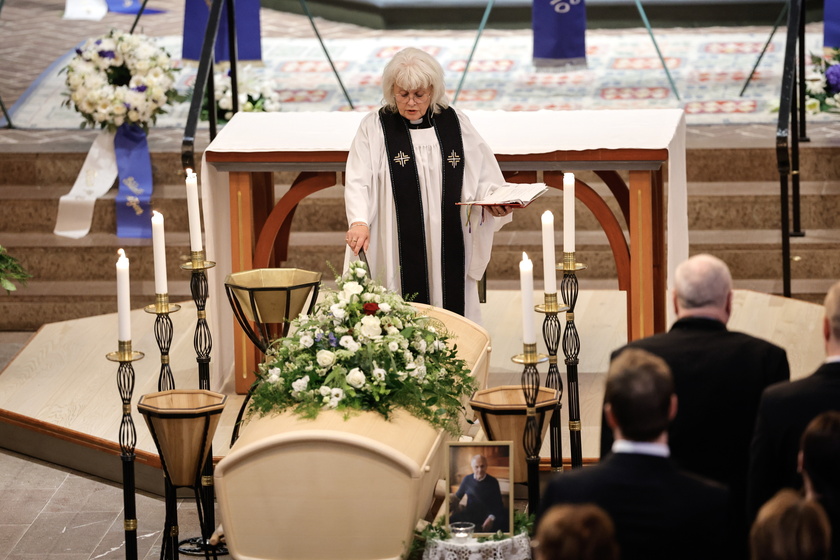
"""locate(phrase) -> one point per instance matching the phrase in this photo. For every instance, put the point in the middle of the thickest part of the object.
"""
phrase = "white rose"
(338, 311)
(393, 346)
(391, 328)
(325, 358)
(360, 272)
(371, 327)
(356, 378)
(351, 289)
(384, 308)
(324, 390)
(306, 340)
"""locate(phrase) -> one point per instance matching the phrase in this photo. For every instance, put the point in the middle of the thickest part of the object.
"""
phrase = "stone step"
(703, 164)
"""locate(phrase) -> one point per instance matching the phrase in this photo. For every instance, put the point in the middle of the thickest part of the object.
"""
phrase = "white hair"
(702, 281)
(414, 69)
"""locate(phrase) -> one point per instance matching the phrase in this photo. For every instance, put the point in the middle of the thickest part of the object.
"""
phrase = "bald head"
(832, 311)
(703, 287)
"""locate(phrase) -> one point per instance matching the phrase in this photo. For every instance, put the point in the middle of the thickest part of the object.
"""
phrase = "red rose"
(371, 308)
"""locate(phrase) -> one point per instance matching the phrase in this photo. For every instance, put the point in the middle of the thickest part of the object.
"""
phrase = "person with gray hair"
(719, 376)
(787, 408)
(412, 161)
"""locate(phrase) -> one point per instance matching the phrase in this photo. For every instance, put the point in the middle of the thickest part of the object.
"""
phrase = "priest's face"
(413, 104)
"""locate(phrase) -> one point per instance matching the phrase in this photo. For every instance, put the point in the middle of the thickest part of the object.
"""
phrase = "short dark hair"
(820, 446)
(576, 532)
(639, 390)
(790, 527)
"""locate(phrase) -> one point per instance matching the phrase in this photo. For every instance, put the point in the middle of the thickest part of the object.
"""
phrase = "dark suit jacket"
(658, 511)
(719, 376)
(784, 413)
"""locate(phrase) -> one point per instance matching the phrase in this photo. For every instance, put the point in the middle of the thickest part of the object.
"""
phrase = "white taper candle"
(159, 248)
(194, 211)
(568, 212)
(549, 264)
(123, 297)
(526, 279)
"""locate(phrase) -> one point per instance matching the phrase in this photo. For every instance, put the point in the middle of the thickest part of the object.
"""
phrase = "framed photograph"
(479, 480)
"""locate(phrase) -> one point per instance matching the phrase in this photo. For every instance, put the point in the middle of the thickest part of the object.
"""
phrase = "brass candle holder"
(571, 350)
(128, 440)
(531, 438)
(163, 334)
(551, 335)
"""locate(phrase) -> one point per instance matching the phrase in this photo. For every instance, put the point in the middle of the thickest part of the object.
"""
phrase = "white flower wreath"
(118, 79)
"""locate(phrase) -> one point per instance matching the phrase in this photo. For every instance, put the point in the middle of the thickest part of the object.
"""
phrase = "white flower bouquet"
(364, 348)
(254, 95)
(822, 83)
(118, 79)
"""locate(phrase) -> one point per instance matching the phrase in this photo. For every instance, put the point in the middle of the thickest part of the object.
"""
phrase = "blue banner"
(248, 45)
(559, 33)
(134, 165)
(129, 7)
(831, 24)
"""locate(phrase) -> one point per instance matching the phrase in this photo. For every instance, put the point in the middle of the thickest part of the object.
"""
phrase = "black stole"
(411, 227)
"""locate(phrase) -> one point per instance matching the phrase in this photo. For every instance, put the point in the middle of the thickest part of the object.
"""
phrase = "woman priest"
(410, 163)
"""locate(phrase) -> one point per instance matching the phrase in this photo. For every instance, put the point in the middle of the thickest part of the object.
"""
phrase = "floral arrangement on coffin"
(121, 78)
(822, 84)
(364, 348)
(11, 271)
(253, 94)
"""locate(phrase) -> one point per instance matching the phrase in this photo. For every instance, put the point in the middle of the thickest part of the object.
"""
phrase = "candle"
(123, 297)
(526, 279)
(568, 212)
(549, 266)
(194, 212)
(159, 247)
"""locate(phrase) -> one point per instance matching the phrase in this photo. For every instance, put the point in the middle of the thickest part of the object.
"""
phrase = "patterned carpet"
(709, 68)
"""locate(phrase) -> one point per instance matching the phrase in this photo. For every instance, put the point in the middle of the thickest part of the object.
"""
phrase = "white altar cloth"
(507, 133)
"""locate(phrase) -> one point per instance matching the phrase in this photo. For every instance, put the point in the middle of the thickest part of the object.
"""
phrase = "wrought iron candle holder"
(571, 350)
(531, 438)
(551, 335)
(128, 440)
(203, 344)
(163, 334)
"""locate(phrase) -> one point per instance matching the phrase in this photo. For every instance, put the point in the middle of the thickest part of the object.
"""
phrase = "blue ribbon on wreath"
(129, 7)
(559, 33)
(134, 167)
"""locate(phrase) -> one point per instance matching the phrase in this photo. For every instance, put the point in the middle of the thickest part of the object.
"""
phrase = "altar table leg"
(646, 304)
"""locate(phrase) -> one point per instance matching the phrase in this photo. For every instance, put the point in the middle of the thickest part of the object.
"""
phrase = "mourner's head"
(819, 459)
(789, 526)
(412, 83)
(575, 532)
(703, 287)
(832, 317)
(639, 397)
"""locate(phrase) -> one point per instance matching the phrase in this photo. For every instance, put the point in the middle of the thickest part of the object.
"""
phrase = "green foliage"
(11, 271)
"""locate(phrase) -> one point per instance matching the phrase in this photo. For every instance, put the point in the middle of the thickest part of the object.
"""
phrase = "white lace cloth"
(516, 548)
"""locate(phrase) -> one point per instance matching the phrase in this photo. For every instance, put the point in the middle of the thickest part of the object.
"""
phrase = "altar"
(245, 230)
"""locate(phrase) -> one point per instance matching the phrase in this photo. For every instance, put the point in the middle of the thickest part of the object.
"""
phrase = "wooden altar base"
(59, 400)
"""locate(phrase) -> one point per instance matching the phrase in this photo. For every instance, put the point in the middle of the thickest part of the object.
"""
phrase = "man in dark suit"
(718, 377)
(786, 409)
(659, 512)
(819, 461)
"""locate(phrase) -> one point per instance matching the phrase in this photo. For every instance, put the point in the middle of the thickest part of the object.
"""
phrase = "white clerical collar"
(641, 447)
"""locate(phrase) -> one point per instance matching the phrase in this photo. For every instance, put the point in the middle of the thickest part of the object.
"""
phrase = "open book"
(519, 195)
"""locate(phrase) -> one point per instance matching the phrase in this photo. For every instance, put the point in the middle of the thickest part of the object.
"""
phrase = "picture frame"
(492, 496)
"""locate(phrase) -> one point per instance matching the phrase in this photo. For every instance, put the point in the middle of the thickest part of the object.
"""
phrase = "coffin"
(332, 487)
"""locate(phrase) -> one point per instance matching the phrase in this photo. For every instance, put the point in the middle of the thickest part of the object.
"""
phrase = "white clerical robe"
(369, 199)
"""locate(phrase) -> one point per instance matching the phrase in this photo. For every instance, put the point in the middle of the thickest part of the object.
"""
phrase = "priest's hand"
(500, 211)
(358, 237)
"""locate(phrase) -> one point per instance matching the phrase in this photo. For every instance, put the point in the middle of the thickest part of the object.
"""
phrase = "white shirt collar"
(641, 447)
(832, 359)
